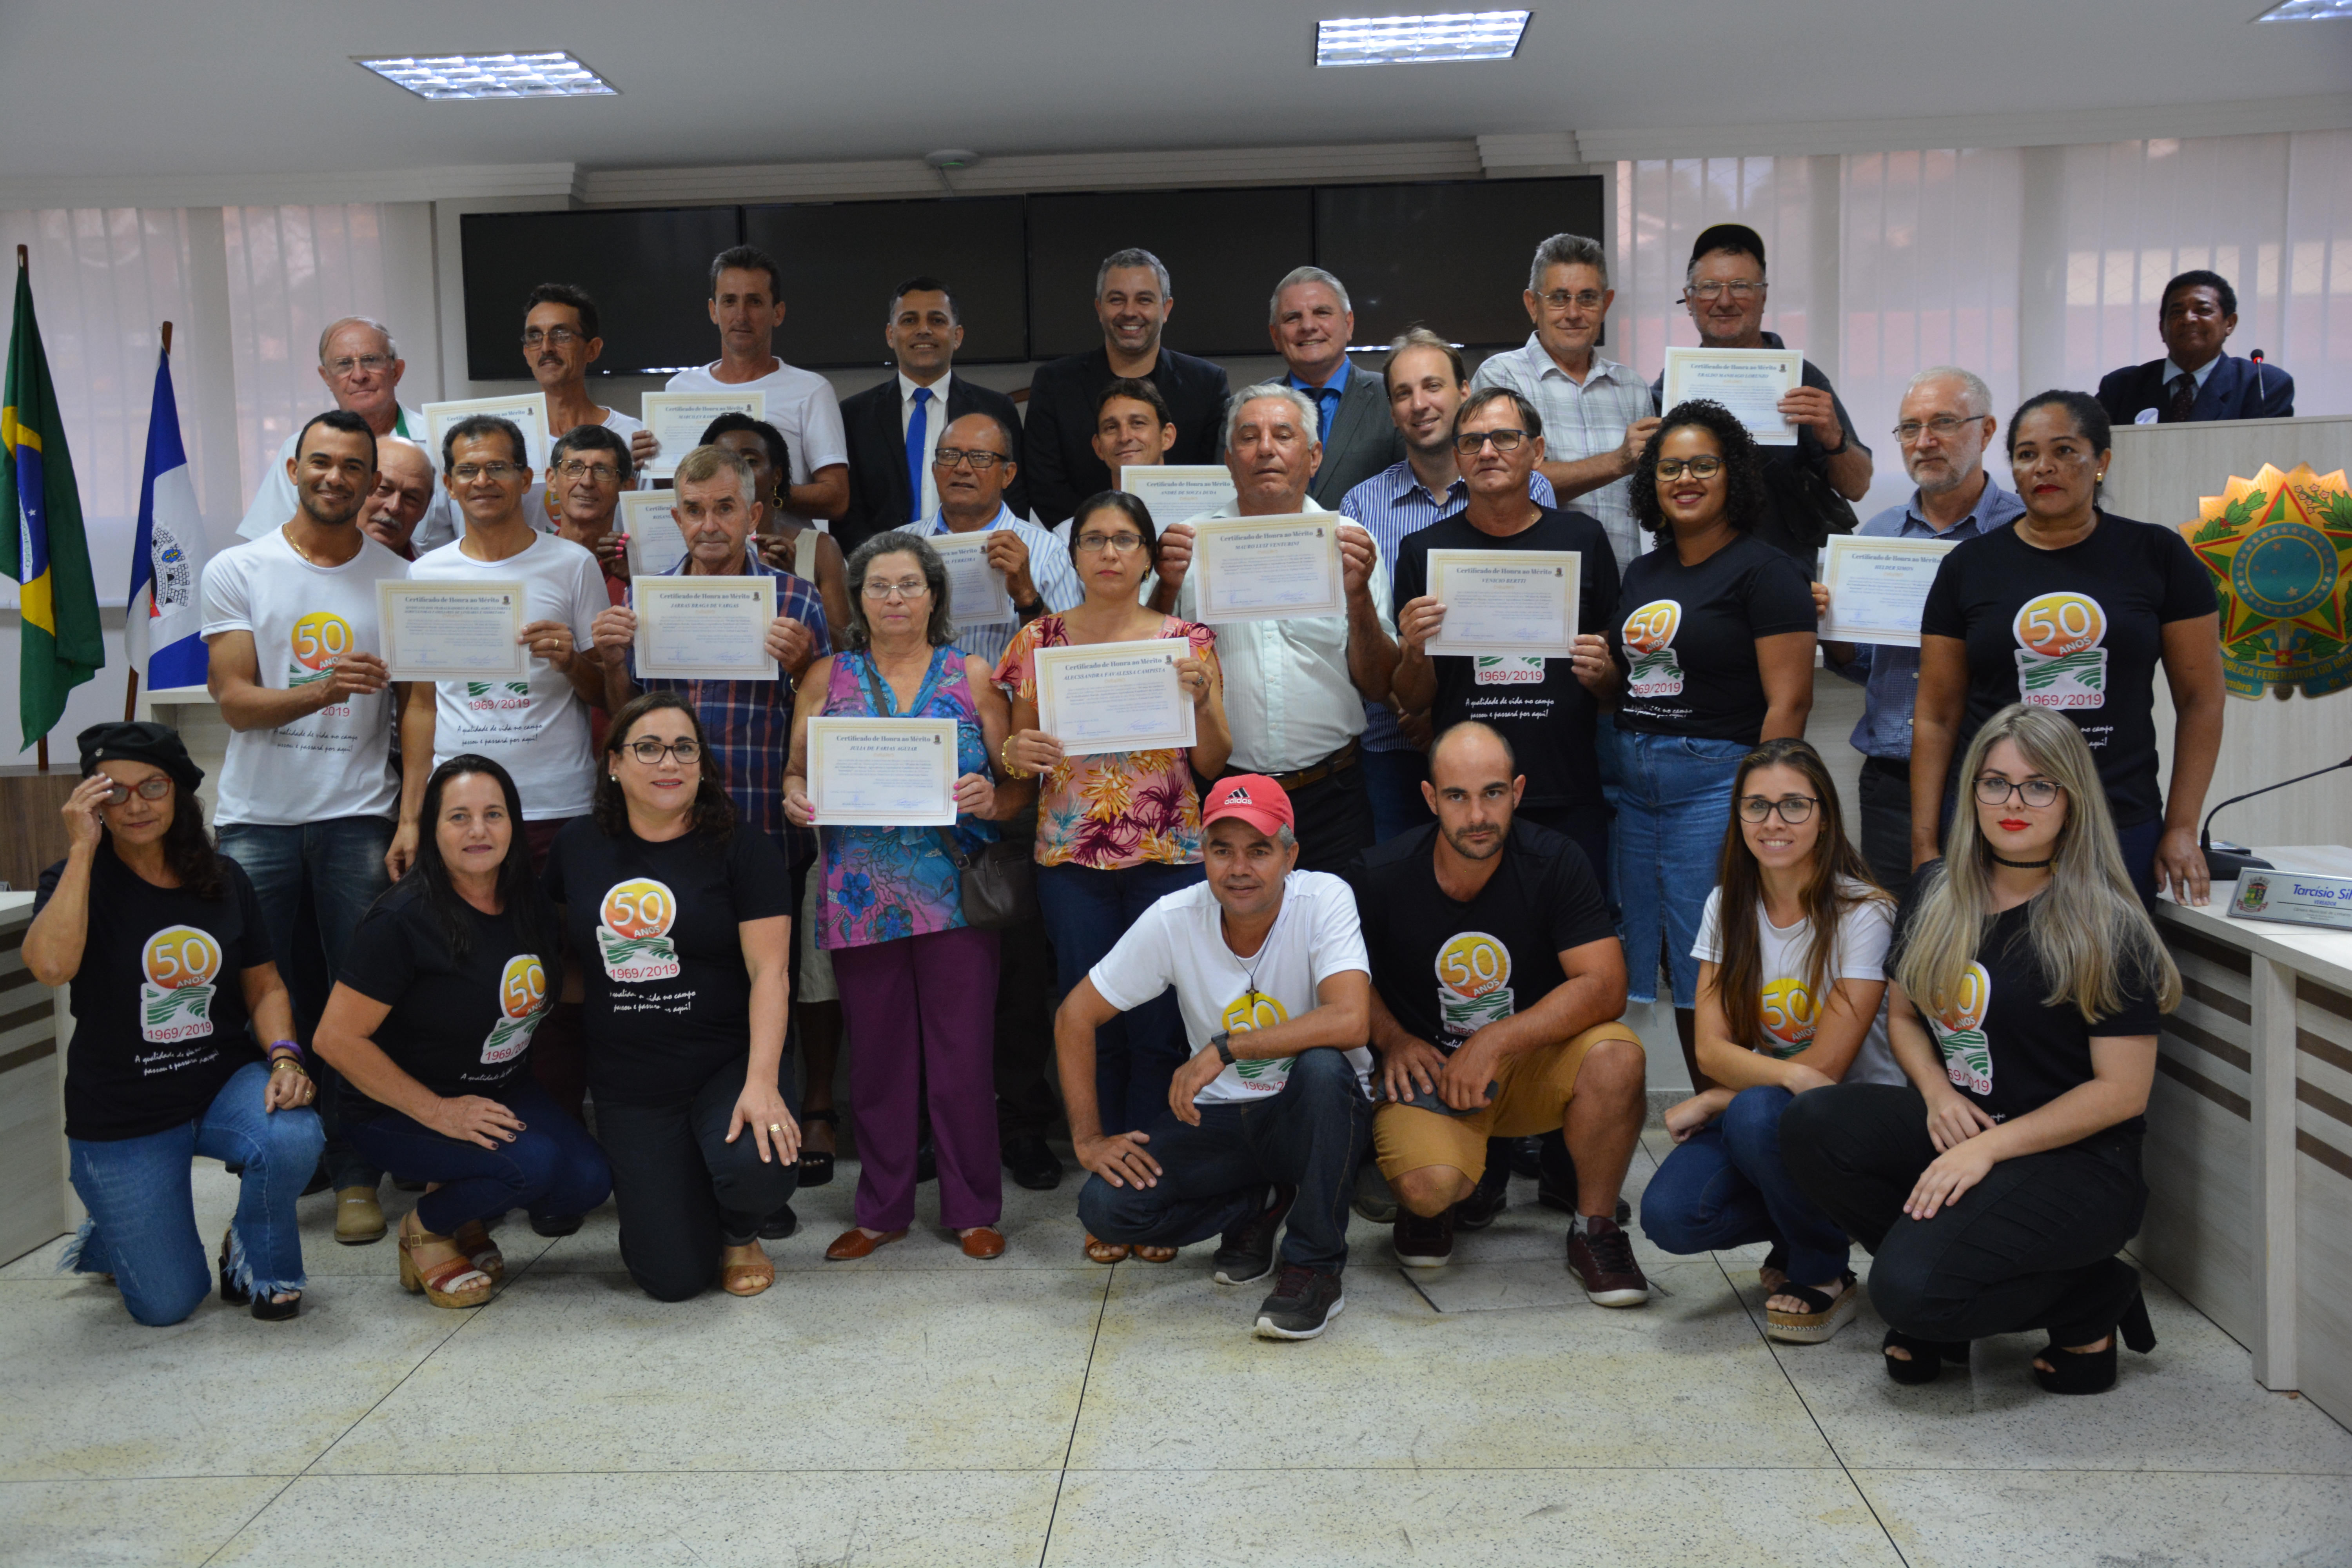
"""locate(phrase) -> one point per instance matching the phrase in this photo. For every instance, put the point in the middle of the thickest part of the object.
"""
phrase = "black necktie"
(2184, 398)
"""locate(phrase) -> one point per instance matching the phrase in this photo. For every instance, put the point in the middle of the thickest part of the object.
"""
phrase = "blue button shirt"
(1889, 674)
(1324, 397)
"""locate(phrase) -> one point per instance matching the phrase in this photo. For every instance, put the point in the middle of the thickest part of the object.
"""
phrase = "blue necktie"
(917, 429)
(1327, 407)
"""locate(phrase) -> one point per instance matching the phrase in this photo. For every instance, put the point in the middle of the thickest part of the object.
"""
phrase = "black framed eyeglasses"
(979, 462)
(1793, 808)
(1697, 467)
(1991, 789)
(650, 751)
(1469, 441)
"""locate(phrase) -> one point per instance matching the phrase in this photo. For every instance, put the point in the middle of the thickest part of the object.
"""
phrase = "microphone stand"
(2223, 865)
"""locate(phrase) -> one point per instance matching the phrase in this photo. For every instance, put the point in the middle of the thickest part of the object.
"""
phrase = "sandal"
(1823, 1316)
(236, 1295)
(473, 1239)
(1927, 1356)
(816, 1165)
(1152, 1253)
(1106, 1251)
(2093, 1372)
(747, 1278)
(453, 1282)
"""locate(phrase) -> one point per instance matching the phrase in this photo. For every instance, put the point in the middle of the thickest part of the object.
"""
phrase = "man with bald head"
(405, 488)
(1497, 988)
(361, 367)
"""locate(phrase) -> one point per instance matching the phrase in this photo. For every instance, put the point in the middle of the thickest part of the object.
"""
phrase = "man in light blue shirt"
(1944, 426)
(970, 468)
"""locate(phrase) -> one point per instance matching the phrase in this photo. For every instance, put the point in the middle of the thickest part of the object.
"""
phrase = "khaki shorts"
(817, 964)
(1535, 1087)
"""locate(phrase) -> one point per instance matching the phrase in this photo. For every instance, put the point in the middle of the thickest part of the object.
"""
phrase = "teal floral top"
(884, 883)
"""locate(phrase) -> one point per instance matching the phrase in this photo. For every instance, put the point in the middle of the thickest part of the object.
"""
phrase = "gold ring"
(775, 1127)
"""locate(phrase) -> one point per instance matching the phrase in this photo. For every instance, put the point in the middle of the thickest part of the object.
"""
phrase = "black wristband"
(1224, 1047)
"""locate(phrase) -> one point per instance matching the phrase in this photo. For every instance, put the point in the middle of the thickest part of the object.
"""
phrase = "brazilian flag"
(42, 547)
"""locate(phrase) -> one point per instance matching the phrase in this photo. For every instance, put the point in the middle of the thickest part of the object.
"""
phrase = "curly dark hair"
(1743, 471)
(714, 813)
(188, 850)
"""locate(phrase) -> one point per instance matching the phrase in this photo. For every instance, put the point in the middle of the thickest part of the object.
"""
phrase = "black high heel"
(2093, 1372)
(236, 1295)
(1927, 1356)
(816, 1165)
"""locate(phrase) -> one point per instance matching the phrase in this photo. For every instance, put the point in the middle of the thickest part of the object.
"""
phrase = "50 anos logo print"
(175, 999)
(1257, 1010)
(1788, 1014)
(522, 998)
(2060, 663)
(633, 931)
(1958, 1023)
(1649, 637)
(1474, 983)
(315, 641)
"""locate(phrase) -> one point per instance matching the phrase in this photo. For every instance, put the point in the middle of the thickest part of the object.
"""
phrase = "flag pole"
(41, 747)
(131, 674)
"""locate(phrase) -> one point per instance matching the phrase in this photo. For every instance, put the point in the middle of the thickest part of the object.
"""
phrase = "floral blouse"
(1113, 809)
(883, 883)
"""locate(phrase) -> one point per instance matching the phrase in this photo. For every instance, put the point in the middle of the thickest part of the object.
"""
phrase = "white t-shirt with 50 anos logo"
(1787, 1012)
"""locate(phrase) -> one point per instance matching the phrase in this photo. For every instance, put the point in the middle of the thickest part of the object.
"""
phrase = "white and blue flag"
(167, 556)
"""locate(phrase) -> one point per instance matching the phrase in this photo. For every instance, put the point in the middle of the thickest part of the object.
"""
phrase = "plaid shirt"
(1580, 422)
(748, 723)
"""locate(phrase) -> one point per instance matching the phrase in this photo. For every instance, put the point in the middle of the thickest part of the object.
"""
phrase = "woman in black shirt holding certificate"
(450, 973)
(2025, 984)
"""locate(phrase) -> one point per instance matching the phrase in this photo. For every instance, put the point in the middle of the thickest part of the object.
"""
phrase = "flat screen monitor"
(1451, 255)
(649, 271)
(1224, 251)
(840, 259)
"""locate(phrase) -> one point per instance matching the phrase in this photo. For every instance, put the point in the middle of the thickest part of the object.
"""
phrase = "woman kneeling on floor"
(164, 943)
(1790, 992)
(449, 974)
(2027, 980)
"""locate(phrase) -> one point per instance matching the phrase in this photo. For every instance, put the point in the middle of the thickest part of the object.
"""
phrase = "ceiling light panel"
(554, 74)
(1402, 40)
(2308, 11)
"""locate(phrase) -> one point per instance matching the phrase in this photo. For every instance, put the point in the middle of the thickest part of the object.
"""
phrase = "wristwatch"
(1224, 1049)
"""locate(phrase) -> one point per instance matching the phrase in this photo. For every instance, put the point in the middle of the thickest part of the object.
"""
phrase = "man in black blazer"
(2196, 380)
(890, 484)
(1133, 303)
(1312, 323)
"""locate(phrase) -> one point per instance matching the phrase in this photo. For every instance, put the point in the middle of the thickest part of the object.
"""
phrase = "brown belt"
(1345, 757)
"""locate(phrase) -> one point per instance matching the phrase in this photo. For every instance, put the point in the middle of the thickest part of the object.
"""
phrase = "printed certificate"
(882, 772)
(1751, 383)
(655, 543)
(1878, 587)
(704, 628)
(1268, 568)
(1175, 492)
(1506, 601)
(977, 595)
(527, 410)
(452, 631)
(677, 420)
(1115, 697)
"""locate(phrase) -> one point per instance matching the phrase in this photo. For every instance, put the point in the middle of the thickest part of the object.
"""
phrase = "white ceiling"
(111, 87)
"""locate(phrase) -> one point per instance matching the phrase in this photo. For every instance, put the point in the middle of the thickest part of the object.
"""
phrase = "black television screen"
(649, 271)
(840, 259)
(1224, 251)
(1451, 255)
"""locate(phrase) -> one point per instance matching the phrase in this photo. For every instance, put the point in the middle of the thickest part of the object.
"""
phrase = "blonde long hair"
(2087, 928)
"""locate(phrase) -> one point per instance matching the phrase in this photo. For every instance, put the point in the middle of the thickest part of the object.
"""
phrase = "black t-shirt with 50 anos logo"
(159, 1001)
(458, 1027)
(1685, 636)
(2078, 630)
(654, 926)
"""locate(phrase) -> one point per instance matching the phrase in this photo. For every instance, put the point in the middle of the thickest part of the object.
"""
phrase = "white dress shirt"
(935, 418)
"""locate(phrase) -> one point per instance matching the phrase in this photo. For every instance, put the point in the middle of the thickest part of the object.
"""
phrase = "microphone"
(2257, 357)
(2224, 864)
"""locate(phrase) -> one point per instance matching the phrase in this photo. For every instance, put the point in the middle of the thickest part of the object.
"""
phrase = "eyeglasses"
(1711, 290)
(1793, 808)
(905, 588)
(1697, 467)
(1994, 790)
(979, 462)
(562, 337)
(1117, 544)
(603, 473)
(151, 788)
(1468, 443)
(369, 362)
(1943, 426)
(651, 751)
(1583, 299)
(497, 473)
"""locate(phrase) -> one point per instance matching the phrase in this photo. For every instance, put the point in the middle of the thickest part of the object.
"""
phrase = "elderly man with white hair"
(361, 366)
(1311, 321)
(1945, 422)
(1295, 689)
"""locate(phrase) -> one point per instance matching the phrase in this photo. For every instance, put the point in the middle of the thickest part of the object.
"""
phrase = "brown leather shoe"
(855, 1242)
(985, 1241)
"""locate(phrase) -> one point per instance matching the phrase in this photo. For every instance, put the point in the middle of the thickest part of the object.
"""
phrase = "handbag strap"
(961, 861)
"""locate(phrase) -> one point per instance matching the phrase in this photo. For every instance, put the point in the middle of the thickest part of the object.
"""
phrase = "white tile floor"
(918, 1408)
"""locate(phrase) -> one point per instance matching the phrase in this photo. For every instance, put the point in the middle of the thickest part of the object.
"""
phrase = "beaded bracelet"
(1005, 756)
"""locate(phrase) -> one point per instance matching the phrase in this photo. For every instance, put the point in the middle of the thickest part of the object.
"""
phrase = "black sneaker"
(1374, 1199)
(781, 1223)
(1303, 1304)
(1033, 1163)
(1523, 1155)
(1246, 1254)
(554, 1223)
(1489, 1198)
(1602, 1255)
(1424, 1243)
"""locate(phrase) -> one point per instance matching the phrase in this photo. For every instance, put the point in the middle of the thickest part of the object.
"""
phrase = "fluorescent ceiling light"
(551, 74)
(1398, 40)
(2308, 11)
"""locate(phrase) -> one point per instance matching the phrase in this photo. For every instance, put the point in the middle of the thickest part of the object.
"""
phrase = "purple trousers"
(921, 1013)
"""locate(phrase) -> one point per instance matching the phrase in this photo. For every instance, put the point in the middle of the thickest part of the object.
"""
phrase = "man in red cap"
(1266, 1122)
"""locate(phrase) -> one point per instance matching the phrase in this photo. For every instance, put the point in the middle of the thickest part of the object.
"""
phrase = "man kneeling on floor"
(1266, 1122)
(1500, 984)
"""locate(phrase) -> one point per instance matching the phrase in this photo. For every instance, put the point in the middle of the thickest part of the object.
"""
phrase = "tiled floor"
(921, 1409)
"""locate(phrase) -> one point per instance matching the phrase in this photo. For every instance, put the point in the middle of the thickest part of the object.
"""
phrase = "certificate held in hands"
(452, 631)
(1749, 382)
(1268, 568)
(1506, 601)
(1878, 587)
(526, 411)
(677, 420)
(704, 628)
(977, 595)
(1173, 493)
(655, 543)
(1115, 697)
(882, 772)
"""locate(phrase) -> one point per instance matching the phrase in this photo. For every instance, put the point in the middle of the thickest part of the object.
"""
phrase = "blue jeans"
(342, 862)
(1136, 1054)
(143, 1213)
(1393, 779)
(552, 1167)
(1213, 1178)
(1727, 1187)
(1673, 796)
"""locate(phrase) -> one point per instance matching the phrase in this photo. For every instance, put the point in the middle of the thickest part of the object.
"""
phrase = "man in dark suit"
(2196, 380)
(1311, 324)
(894, 428)
(1133, 303)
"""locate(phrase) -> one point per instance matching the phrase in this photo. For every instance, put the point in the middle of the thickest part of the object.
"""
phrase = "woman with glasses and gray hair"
(918, 982)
